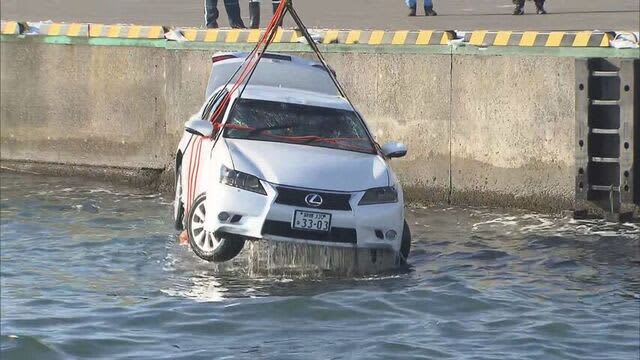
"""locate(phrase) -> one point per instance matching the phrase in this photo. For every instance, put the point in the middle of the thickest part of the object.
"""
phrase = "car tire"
(178, 205)
(405, 245)
(204, 243)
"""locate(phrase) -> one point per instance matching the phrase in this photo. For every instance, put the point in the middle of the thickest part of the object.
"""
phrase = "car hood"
(307, 166)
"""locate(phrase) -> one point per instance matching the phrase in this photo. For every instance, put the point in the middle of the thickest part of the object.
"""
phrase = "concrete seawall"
(483, 127)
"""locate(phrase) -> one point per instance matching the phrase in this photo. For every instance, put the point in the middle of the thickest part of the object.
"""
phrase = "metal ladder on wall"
(607, 138)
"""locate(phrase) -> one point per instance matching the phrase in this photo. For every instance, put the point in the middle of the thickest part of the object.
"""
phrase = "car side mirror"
(394, 149)
(199, 127)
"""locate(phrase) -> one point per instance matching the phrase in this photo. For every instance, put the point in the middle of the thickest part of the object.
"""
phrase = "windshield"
(297, 124)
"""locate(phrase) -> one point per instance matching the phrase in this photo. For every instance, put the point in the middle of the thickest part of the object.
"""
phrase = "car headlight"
(381, 195)
(241, 180)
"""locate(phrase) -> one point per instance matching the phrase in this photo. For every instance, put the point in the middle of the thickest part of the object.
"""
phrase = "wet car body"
(291, 161)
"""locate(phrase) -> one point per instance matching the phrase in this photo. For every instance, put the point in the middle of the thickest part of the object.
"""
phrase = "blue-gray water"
(90, 270)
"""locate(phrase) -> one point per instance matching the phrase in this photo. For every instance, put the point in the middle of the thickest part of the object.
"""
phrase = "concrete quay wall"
(482, 127)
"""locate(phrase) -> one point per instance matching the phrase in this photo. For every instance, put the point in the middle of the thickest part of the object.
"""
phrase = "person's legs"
(254, 14)
(540, 7)
(233, 12)
(211, 14)
(428, 8)
(411, 4)
(274, 5)
(519, 10)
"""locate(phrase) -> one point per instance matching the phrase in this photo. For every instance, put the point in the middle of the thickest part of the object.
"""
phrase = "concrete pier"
(484, 126)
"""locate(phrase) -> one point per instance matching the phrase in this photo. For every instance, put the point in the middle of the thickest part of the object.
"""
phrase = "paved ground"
(347, 14)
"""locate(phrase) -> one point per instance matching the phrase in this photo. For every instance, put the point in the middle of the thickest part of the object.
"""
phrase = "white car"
(290, 161)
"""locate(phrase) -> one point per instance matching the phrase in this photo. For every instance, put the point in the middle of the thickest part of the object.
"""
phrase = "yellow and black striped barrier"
(85, 30)
(58, 29)
(10, 27)
(126, 31)
(379, 37)
(237, 35)
(479, 38)
(349, 37)
(534, 38)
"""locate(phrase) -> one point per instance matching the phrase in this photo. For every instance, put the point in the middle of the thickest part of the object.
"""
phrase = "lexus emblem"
(314, 200)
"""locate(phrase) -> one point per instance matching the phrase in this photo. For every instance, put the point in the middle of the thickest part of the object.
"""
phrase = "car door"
(198, 152)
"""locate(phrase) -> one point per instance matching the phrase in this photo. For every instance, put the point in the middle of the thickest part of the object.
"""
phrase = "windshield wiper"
(315, 138)
(337, 142)
(258, 131)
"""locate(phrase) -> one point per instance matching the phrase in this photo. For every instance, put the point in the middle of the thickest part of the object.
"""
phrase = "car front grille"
(336, 234)
(296, 197)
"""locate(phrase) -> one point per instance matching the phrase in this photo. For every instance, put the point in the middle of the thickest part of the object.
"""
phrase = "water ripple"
(90, 270)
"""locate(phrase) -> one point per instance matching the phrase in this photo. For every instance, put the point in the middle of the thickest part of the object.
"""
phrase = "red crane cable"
(248, 66)
(250, 63)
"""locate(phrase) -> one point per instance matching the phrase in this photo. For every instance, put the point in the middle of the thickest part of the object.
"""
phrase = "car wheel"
(405, 245)
(205, 243)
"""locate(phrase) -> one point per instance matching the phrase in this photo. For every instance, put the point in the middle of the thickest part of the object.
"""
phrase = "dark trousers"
(254, 12)
(520, 3)
(233, 12)
(274, 5)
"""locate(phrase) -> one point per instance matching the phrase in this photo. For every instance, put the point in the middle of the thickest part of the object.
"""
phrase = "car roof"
(294, 96)
(278, 70)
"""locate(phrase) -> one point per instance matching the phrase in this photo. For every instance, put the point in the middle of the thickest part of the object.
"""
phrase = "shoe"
(412, 11)
(518, 11)
(212, 26)
(233, 12)
(428, 11)
(541, 11)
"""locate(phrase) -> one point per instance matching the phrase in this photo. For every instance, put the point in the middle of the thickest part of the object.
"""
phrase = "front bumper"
(269, 217)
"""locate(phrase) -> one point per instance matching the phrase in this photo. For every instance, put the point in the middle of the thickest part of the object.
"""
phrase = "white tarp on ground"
(626, 40)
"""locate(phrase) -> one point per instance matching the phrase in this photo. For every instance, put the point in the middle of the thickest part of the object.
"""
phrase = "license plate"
(309, 220)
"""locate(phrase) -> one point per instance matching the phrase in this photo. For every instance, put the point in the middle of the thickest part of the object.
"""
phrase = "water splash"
(305, 260)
